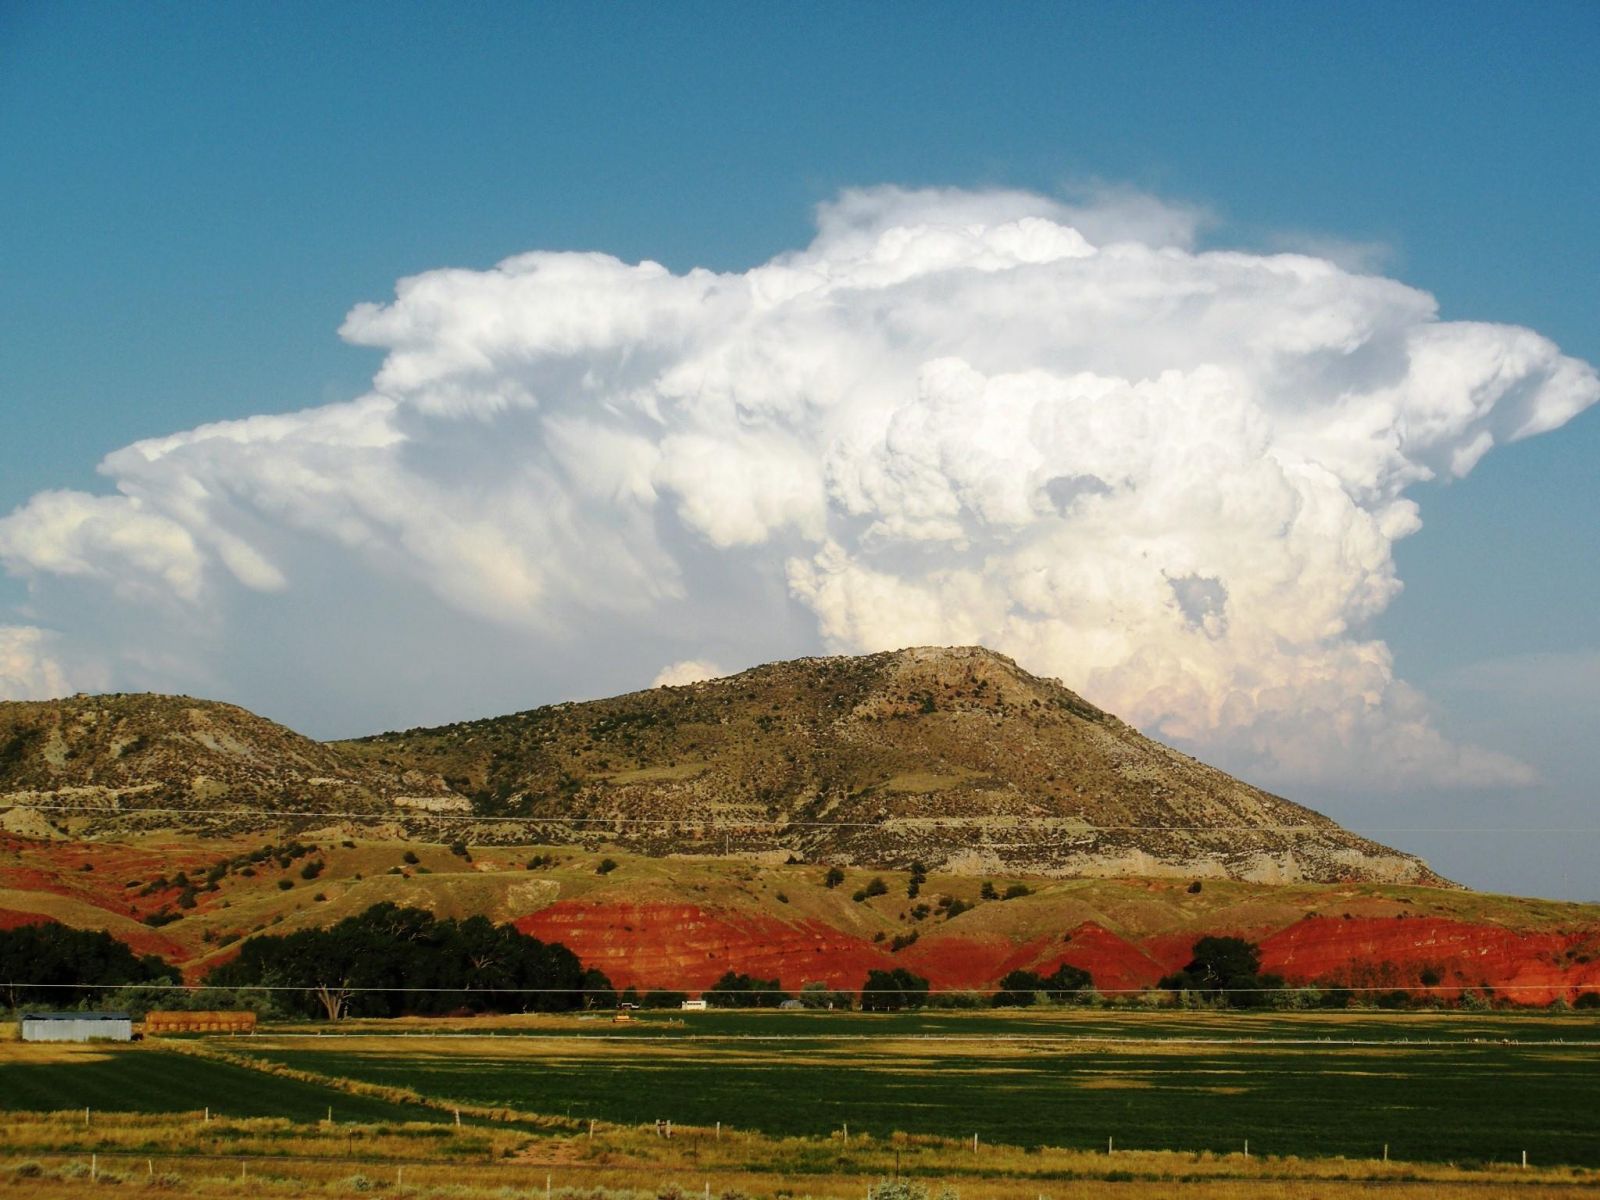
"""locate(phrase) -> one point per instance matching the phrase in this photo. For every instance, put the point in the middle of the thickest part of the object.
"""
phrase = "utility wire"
(780, 823)
(1439, 989)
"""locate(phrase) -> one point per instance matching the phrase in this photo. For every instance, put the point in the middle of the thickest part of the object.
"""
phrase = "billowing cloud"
(690, 670)
(30, 670)
(1172, 477)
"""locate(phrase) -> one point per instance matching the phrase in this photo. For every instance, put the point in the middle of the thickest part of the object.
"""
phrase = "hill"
(954, 757)
(680, 923)
(172, 761)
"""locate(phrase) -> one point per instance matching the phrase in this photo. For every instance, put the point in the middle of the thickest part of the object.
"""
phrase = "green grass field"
(147, 1080)
(1443, 1088)
(1448, 1087)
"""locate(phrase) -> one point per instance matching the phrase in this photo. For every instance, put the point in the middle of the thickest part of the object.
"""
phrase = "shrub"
(1195, 888)
(833, 878)
(410, 858)
(1016, 890)
(459, 849)
(285, 884)
(312, 869)
(607, 865)
(27, 1170)
(1587, 1000)
(897, 1189)
(876, 887)
(987, 891)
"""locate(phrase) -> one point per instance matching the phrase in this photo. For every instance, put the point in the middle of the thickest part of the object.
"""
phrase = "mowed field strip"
(1433, 1088)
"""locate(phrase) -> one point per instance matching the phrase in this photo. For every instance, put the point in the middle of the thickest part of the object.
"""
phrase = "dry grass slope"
(954, 756)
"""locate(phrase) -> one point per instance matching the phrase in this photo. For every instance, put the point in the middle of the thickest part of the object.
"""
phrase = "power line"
(353, 989)
(1068, 825)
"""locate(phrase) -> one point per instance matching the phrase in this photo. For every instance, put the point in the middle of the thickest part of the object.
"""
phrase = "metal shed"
(76, 1026)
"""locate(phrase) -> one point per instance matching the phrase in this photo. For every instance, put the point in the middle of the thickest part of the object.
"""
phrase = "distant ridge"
(124, 754)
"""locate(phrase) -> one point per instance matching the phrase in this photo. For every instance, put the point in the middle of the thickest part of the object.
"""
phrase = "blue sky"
(193, 199)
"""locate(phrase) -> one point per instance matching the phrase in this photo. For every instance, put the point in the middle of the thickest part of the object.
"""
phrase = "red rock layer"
(686, 947)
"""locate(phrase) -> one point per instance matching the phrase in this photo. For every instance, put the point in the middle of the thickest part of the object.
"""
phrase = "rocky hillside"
(174, 761)
(954, 757)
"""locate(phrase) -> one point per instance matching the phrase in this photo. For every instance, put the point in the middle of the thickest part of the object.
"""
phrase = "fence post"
(1247, 1149)
(94, 1165)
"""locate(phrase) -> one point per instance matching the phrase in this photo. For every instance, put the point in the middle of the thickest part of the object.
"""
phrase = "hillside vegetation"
(70, 763)
(952, 756)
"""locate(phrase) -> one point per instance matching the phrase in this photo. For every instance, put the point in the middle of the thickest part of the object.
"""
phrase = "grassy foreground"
(45, 1156)
(560, 1104)
(1435, 1088)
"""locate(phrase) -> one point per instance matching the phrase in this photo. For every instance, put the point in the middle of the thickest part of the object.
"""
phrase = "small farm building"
(200, 1022)
(694, 1006)
(76, 1026)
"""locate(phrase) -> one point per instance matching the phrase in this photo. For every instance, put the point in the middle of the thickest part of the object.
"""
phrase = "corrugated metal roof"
(76, 1016)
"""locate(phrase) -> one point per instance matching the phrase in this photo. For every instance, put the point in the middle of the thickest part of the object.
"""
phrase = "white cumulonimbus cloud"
(1171, 477)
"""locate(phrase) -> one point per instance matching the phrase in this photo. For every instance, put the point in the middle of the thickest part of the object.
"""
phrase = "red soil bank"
(688, 947)
(10, 918)
(1528, 968)
(685, 946)
(1115, 963)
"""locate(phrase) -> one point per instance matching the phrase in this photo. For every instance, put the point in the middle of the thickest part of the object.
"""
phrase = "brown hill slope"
(955, 757)
(680, 923)
(142, 756)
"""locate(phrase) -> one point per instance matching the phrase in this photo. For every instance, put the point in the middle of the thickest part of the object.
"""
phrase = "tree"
(1226, 969)
(919, 876)
(891, 991)
(391, 960)
(833, 878)
(743, 991)
(875, 887)
(55, 965)
(1018, 989)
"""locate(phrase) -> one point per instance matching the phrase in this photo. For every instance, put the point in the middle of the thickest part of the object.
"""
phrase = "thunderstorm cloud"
(1171, 477)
